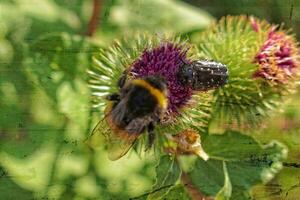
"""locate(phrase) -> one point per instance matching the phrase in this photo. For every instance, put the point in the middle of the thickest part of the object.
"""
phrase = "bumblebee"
(138, 106)
(202, 75)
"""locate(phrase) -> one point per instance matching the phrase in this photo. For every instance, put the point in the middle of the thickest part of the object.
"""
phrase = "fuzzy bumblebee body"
(136, 108)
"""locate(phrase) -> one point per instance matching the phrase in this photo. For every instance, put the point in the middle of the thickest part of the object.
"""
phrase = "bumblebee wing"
(99, 135)
(117, 141)
(120, 141)
(118, 147)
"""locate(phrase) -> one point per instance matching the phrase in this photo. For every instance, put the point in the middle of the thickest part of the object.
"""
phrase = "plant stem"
(92, 26)
(194, 193)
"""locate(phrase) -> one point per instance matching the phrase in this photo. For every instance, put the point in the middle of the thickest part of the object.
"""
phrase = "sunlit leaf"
(174, 16)
(10, 190)
(177, 192)
(247, 163)
(58, 58)
(167, 173)
(225, 192)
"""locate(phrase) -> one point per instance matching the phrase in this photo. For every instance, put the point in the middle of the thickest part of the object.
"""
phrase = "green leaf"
(58, 58)
(208, 176)
(74, 103)
(167, 173)
(177, 192)
(10, 190)
(174, 16)
(225, 192)
(29, 139)
(247, 164)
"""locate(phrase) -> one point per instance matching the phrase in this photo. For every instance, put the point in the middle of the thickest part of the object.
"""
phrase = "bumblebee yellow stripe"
(161, 98)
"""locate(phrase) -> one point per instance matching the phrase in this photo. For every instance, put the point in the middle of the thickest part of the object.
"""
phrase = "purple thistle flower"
(165, 60)
(277, 58)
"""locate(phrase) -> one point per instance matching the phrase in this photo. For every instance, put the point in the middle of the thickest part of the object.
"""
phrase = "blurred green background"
(45, 102)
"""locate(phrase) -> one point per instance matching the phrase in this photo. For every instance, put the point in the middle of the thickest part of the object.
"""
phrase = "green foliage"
(129, 16)
(240, 163)
(174, 17)
(167, 174)
(177, 192)
(65, 58)
(275, 11)
(225, 192)
(11, 189)
(46, 111)
(32, 68)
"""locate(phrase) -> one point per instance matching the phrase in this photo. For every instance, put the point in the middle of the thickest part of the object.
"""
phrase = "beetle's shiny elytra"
(203, 74)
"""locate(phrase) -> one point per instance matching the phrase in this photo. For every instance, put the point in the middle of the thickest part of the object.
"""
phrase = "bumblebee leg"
(113, 97)
(151, 135)
(122, 80)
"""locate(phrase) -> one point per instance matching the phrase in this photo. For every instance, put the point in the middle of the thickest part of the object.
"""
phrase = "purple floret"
(165, 60)
(277, 58)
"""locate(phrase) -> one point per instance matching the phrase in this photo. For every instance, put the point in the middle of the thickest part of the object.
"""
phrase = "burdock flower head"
(145, 55)
(262, 61)
(278, 58)
(165, 60)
